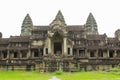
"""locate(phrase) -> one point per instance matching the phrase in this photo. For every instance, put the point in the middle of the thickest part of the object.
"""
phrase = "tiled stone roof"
(112, 40)
(19, 39)
(69, 27)
(96, 37)
(4, 40)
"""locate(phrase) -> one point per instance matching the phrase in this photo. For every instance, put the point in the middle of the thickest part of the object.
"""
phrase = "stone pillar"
(49, 46)
(20, 54)
(71, 51)
(78, 53)
(86, 53)
(8, 54)
(107, 53)
(96, 53)
(0, 54)
(29, 54)
(43, 67)
(39, 53)
(115, 54)
(44, 51)
(65, 45)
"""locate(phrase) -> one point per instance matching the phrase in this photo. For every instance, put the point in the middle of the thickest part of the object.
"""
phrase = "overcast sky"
(75, 12)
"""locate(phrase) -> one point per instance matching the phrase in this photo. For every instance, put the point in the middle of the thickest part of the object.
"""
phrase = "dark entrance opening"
(28, 67)
(57, 48)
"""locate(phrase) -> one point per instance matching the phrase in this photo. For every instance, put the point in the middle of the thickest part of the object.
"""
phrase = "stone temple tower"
(91, 25)
(27, 26)
(0, 34)
(117, 34)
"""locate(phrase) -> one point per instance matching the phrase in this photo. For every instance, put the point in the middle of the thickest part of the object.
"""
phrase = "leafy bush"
(58, 72)
(80, 70)
(116, 69)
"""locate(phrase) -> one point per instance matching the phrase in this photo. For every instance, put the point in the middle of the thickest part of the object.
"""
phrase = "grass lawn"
(34, 75)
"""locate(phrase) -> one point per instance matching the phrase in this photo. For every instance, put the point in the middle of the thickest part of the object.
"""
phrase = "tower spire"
(58, 24)
(91, 25)
(59, 16)
(26, 26)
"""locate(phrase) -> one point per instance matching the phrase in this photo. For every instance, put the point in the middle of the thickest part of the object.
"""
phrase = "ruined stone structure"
(59, 46)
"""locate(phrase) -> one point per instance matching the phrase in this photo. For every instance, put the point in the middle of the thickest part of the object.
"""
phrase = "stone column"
(86, 53)
(39, 53)
(78, 55)
(49, 46)
(115, 54)
(107, 53)
(0, 54)
(8, 54)
(43, 66)
(20, 54)
(96, 53)
(29, 54)
(65, 45)
(44, 51)
(71, 51)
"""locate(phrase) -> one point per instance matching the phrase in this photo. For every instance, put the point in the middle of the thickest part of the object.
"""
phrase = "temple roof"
(4, 40)
(40, 28)
(69, 28)
(59, 16)
(112, 40)
(18, 48)
(75, 27)
(91, 20)
(19, 39)
(96, 37)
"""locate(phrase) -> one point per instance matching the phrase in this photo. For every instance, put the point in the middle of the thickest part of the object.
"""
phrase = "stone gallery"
(59, 46)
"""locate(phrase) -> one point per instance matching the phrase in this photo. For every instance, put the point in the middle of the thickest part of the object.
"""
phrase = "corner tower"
(27, 26)
(117, 34)
(91, 25)
(0, 34)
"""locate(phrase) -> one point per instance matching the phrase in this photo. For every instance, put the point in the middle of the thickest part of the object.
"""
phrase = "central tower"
(57, 34)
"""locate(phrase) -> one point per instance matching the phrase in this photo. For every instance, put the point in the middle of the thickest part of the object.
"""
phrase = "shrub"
(58, 72)
(80, 70)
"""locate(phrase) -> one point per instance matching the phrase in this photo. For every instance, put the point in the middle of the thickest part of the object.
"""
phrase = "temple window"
(81, 53)
(4, 54)
(111, 53)
(74, 52)
(36, 54)
(15, 55)
(92, 54)
(24, 55)
(100, 53)
(68, 51)
(46, 50)
(118, 53)
(41, 52)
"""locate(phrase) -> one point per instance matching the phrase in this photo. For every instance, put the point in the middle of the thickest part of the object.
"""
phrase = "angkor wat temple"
(59, 46)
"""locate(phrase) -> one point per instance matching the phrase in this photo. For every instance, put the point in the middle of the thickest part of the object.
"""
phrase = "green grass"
(34, 75)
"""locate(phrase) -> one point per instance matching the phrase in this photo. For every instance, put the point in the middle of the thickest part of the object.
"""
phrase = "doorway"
(57, 48)
(28, 67)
